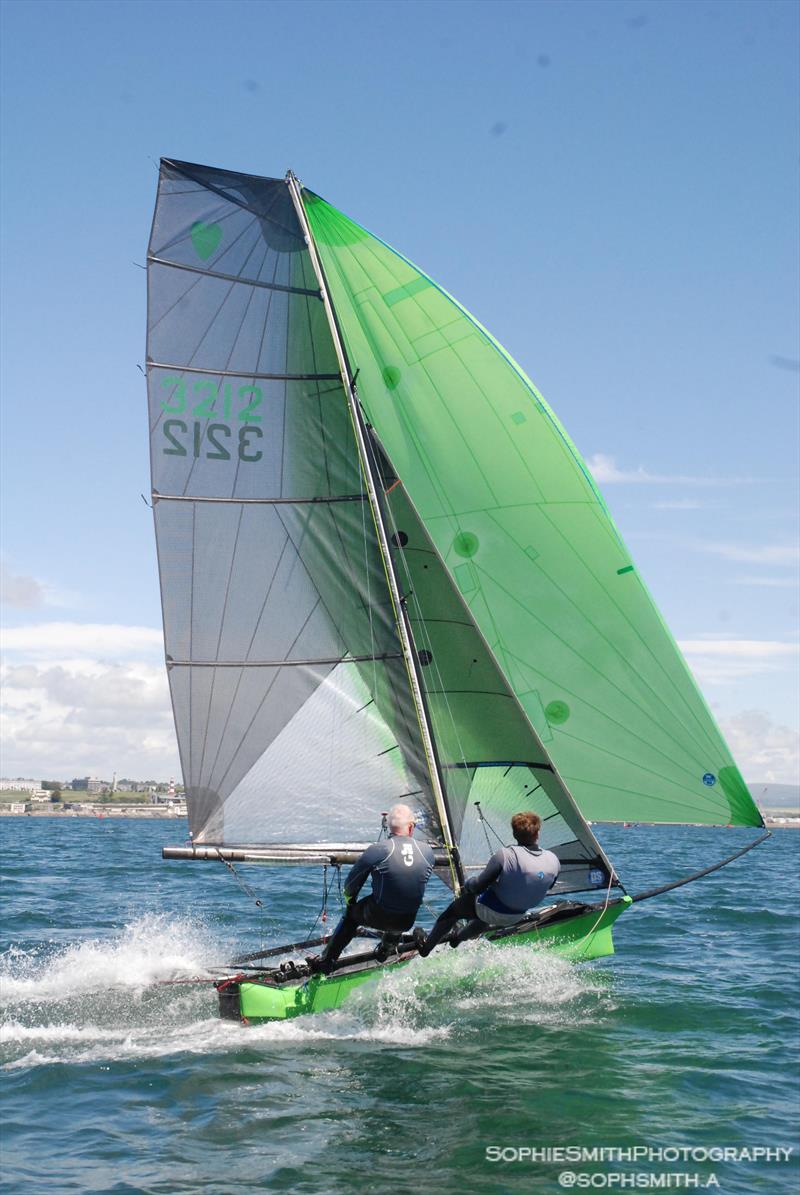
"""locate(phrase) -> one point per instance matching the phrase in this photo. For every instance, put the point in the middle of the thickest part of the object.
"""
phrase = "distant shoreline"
(788, 821)
(137, 812)
(775, 820)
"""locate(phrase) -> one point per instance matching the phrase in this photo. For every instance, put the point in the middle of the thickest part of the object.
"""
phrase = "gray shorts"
(497, 920)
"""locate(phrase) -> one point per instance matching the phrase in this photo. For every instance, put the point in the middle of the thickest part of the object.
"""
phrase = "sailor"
(400, 867)
(514, 880)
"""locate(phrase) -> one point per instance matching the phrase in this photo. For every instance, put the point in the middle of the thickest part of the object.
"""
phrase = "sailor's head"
(525, 827)
(401, 820)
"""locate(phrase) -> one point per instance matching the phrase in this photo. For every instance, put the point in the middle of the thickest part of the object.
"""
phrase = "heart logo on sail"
(205, 238)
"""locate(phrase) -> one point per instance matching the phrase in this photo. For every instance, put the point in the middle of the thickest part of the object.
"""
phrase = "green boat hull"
(585, 936)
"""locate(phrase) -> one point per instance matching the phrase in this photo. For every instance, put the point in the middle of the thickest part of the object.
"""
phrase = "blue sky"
(611, 188)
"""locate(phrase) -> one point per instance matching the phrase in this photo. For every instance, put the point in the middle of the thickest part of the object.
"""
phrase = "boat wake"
(130, 998)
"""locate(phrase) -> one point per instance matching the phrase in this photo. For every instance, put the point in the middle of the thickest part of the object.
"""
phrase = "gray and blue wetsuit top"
(515, 879)
(400, 868)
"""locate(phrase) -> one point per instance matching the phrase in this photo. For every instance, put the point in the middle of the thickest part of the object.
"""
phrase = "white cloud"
(77, 639)
(763, 749)
(784, 554)
(93, 699)
(776, 554)
(605, 471)
(715, 660)
(769, 582)
(103, 718)
(86, 699)
(23, 593)
(681, 504)
(750, 648)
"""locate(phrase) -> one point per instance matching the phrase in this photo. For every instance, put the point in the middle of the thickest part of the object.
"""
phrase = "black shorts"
(370, 914)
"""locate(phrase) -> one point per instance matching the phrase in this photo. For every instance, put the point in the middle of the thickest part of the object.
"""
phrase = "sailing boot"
(319, 965)
(420, 938)
(386, 946)
(463, 933)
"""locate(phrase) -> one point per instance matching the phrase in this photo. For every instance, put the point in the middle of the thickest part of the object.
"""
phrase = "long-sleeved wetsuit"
(514, 880)
(400, 867)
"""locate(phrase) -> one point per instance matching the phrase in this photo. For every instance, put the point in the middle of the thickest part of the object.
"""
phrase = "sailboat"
(388, 576)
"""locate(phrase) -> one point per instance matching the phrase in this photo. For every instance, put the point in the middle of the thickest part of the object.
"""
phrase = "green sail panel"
(491, 761)
(513, 512)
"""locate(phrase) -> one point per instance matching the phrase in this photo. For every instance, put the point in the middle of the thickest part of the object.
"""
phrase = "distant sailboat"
(386, 575)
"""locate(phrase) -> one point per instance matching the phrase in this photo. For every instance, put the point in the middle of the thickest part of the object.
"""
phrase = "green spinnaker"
(526, 538)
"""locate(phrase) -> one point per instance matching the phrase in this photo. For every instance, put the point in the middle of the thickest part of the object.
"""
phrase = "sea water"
(477, 1070)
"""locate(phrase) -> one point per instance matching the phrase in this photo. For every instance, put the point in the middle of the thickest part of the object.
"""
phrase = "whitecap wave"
(150, 950)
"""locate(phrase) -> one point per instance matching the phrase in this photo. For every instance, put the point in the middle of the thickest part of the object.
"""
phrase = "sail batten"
(243, 373)
(158, 497)
(499, 763)
(291, 290)
(288, 663)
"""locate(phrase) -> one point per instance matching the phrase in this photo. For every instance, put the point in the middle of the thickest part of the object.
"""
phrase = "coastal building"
(89, 784)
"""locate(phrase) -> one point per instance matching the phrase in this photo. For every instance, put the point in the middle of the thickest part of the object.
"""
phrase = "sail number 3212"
(215, 441)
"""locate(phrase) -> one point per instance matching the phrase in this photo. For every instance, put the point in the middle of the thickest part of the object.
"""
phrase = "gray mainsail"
(288, 686)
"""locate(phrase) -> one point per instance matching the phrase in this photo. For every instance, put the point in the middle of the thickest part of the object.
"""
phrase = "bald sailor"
(399, 867)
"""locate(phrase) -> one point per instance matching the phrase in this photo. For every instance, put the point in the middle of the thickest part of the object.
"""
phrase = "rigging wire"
(487, 825)
(322, 915)
(249, 892)
(601, 914)
(651, 892)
